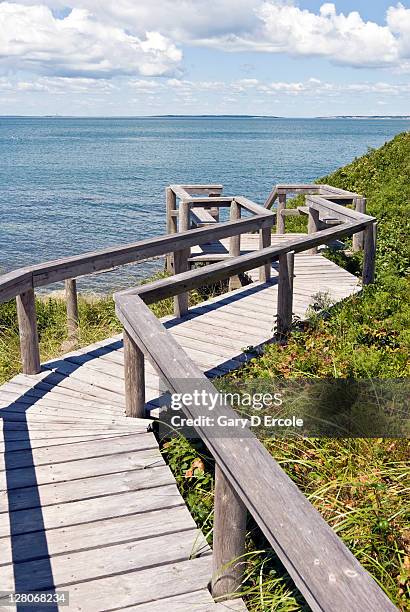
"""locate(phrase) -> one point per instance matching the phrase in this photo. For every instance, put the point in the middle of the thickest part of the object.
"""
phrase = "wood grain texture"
(313, 226)
(358, 239)
(27, 320)
(157, 290)
(134, 378)
(265, 236)
(280, 219)
(181, 261)
(172, 228)
(72, 309)
(234, 243)
(285, 293)
(228, 538)
(96, 261)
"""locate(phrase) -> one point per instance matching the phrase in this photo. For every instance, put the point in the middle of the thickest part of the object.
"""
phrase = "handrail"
(306, 189)
(248, 478)
(176, 245)
(22, 279)
(20, 284)
(174, 285)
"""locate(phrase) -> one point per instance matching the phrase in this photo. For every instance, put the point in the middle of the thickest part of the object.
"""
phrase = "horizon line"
(202, 115)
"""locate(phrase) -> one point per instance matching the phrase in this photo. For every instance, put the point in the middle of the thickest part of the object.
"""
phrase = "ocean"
(71, 185)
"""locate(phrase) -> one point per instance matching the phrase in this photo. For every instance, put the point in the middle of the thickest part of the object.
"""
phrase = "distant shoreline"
(124, 117)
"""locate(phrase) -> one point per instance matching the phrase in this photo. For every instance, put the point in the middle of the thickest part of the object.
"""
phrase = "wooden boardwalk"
(87, 502)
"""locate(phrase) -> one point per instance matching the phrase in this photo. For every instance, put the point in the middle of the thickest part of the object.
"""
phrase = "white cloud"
(79, 45)
(179, 19)
(253, 87)
(62, 85)
(106, 38)
(345, 39)
(398, 20)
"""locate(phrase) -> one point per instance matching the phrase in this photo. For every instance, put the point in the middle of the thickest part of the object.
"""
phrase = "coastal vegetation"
(361, 487)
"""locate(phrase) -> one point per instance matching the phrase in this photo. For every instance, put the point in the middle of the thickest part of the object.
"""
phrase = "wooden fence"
(247, 477)
(20, 284)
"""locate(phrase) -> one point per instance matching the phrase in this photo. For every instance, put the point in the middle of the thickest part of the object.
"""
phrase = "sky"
(292, 58)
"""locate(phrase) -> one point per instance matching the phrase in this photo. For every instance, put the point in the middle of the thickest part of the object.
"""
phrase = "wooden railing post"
(358, 239)
(27, 320)
(265, 241)
(72, 308)
(234, 243)
(313, 226)
(280, 219)
(181, 263)
(285, 293)
(134, 373)
(215, 209)
(228, 538)
(171, 202)
(369, 255)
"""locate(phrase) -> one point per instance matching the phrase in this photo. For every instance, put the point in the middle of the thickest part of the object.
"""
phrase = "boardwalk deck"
(87, 502)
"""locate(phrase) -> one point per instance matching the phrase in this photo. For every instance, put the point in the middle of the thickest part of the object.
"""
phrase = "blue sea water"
(70, 185)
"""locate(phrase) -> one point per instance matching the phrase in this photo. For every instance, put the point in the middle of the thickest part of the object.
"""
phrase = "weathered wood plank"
(106, 259)
(30, 441)
(253, 207)
(92, 488)
(329, 580)
(198, 188)
(14, 283)
(172, 228)
(169, 580)
(265, 238)
(280, 219)
(181, 261)
(200, 216)
(313, 226)
(76, 451)
(134, 378)
(163, 288)
(285, 293)
(101, 533)
(84, 468)
(72, 309)
(75, 567)
(341, 212)
(27, 319)
(83, 512)
(228, 538)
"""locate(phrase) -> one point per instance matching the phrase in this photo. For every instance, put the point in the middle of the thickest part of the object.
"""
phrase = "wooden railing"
(21, 283)
(331, 194)
(247, 478)
(350, 223)
(191, 206)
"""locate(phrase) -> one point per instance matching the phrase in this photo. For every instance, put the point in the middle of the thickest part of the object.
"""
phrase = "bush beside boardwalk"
(358, 485)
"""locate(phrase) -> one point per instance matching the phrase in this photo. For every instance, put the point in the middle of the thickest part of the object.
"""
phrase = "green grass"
(361, 487)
